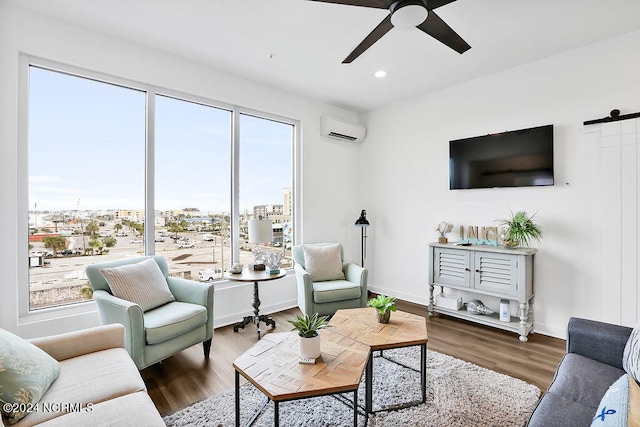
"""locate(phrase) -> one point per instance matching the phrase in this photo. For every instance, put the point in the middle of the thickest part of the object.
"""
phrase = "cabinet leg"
(431, 300)
(524, 320)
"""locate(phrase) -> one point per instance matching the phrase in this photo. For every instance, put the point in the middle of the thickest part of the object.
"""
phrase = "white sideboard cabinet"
(484, 270)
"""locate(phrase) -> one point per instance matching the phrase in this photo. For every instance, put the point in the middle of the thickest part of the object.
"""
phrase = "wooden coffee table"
(403, 330)
(272, 366)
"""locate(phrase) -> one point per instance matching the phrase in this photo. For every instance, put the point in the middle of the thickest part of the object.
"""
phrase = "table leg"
(237, 399)
(257, 317)
(276, 413)
(256, 307)
(368, 381)
(423, 371)
(355, 407)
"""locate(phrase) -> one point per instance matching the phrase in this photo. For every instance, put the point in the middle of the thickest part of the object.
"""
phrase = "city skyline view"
(101, 153)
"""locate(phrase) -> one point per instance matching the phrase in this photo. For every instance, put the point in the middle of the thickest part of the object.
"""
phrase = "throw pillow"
(26, 373)
(614, 405)
(631, 355)
(323, 262)
(620, 406)
(142, 283)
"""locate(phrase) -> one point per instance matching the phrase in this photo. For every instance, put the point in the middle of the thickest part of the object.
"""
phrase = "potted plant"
(309, 338)
(520, 229)
(384, 305)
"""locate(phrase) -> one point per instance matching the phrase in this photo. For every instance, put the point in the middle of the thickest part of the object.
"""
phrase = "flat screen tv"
(518, 158)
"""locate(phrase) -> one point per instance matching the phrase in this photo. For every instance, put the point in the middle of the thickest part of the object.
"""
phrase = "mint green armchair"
(327, 296)
(154, 335)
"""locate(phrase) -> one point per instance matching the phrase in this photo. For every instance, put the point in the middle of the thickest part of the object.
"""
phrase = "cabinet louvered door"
(496, 273)
(452, 268)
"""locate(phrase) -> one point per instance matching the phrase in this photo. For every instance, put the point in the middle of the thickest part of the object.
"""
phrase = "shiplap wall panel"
(620, 209)
(628, 215)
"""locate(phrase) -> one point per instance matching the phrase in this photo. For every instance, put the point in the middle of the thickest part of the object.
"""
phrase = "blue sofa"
(592, 363)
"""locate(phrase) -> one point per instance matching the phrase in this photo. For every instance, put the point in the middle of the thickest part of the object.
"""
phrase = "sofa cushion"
(583, 380)
(335, 290)
(555, 410)
(631, 355)
(26, 373)
(172, 320)
(90, 378)
(142, 283)
(323, 262)
(121, 411)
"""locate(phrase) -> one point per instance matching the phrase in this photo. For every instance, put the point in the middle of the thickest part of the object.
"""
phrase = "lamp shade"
(362, 221)
(260, 231)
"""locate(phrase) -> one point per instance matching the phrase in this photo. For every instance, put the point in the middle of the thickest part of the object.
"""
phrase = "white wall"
(330, 202)
(407, 190)
(399, 174)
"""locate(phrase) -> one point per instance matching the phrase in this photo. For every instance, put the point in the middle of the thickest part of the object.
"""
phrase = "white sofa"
(98, 375)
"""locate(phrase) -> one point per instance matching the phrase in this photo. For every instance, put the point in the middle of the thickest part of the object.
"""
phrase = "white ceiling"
(298, 45)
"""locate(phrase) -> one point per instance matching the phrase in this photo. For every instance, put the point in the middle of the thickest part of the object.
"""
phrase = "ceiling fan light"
(409, 16)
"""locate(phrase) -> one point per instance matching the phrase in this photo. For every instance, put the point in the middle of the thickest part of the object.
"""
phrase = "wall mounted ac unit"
(341, 130)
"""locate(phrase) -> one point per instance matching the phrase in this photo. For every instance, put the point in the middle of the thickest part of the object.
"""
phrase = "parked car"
(136, 241)
(47, 254)
(183, 245)
(159, 239)
(121, 234)
(208, 237)
(210, 274)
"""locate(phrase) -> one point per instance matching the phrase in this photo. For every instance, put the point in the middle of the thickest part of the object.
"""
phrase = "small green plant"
(382, 303)
(308, 327)
(86, 291)
(520, 229)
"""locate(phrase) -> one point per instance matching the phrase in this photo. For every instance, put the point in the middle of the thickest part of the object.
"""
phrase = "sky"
(87, 150)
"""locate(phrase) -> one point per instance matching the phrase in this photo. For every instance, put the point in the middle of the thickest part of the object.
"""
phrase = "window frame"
(25, 315)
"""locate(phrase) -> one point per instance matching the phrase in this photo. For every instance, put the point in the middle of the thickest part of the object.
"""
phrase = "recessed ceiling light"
(380, 74)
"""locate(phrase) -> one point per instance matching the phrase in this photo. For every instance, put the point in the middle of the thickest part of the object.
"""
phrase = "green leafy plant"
(520, 229)
(86, 291)
(308, 327)
(382, 303)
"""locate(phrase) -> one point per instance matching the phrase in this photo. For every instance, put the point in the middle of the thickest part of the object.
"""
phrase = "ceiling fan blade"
(382, 29)
(378, 4)
(434, 4)
(439, 30)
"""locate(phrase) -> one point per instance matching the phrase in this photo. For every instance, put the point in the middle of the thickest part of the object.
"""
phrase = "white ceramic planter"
(309, 348)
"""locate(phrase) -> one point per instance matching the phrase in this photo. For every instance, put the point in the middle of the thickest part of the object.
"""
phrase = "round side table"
(255, 277)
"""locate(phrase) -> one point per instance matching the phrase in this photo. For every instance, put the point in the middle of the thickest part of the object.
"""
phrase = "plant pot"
(383, 317)
(442, 240)
(309, 348)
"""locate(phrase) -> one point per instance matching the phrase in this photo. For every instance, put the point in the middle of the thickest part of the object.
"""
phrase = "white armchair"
(155, 334)
(344, 286)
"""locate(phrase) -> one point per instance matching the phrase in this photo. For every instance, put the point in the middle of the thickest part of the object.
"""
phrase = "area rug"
(458, 394)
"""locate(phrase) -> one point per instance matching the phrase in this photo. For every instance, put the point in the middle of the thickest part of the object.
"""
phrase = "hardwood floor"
(187, 377)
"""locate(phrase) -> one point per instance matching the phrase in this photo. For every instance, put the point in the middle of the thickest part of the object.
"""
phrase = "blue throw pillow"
(26, 373)
(614, 405)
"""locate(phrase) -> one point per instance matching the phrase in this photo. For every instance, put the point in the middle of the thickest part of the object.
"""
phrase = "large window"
(86, 166)
(192, 186)
(265, 182)
(118, 169)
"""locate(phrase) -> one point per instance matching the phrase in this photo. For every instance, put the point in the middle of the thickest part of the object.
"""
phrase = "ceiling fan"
(406, 14)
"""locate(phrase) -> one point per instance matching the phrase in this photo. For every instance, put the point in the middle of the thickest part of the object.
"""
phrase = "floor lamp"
(363, 224)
